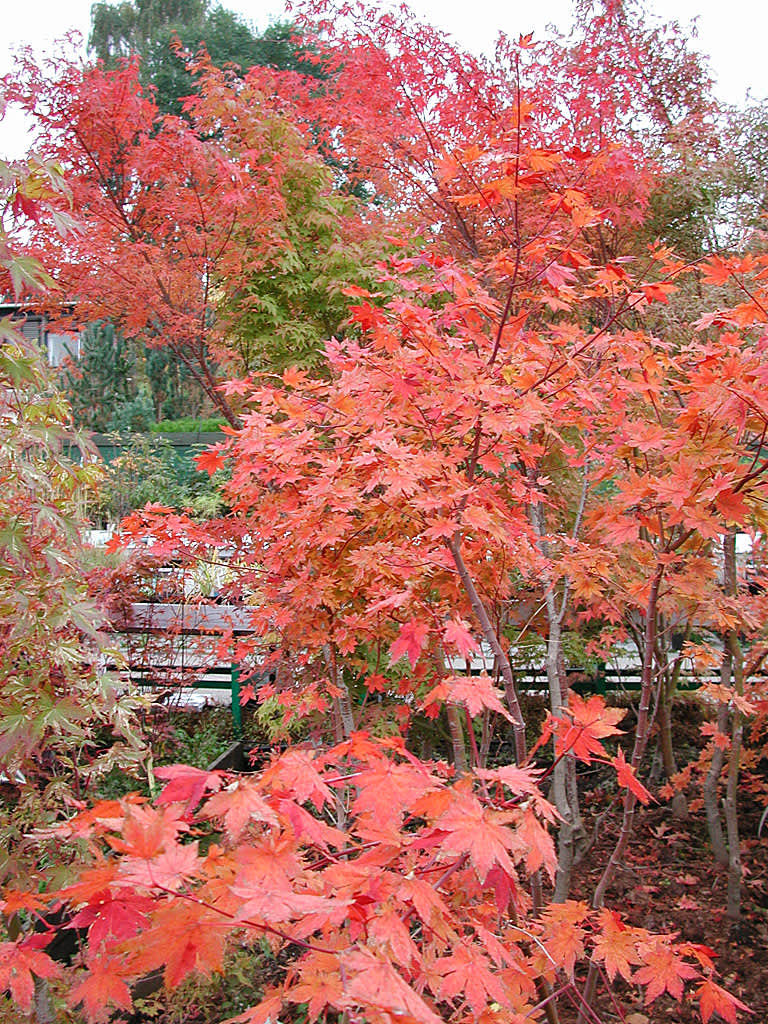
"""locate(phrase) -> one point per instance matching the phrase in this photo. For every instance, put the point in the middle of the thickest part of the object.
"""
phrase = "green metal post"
(237, 711)
(600, 678)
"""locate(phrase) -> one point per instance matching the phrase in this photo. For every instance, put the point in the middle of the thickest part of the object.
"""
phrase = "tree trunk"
(502, 661)
(733, 906)
(457, 739)
(564, 789)
(642, 730)
(712, 780)
(500, 655)
(567, 837)
(44, 1011)
(678, 803)
(667, 693)
(344, 721)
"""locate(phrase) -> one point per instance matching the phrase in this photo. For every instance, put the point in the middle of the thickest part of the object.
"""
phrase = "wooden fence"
(179, 647)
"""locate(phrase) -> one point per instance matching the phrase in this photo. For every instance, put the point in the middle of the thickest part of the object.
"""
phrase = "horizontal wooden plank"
(190, 618)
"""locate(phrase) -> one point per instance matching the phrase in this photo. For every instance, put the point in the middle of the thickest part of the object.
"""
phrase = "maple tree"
(501, 416)
(217, 236)
(416, 909)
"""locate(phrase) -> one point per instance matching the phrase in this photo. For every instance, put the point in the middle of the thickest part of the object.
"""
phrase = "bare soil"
(669, 883)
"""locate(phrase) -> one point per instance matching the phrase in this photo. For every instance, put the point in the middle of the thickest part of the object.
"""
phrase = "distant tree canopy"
(149, 27)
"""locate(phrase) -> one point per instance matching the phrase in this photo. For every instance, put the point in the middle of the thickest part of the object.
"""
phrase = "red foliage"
(398, 914)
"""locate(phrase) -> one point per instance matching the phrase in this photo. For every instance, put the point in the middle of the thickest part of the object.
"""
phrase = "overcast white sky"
(734, 34)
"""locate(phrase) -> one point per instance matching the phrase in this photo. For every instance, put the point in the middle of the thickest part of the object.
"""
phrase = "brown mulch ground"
(669, 883)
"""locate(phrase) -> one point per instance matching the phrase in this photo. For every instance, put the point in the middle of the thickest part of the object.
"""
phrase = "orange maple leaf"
(375, 983)
(564, 933)
(591, 721)
(386, 789)
(146, 830)
(713, 999)
(387, 932)
(238, 804)
(616, 945)
(456, 634)
(210, 461)
(320, 986)
(20, 962)
(268, 1009)
(627, 779)
(663, 969)
(185, 937)
(534, 843)
(101, 989)
(410, 641)
(467, 973)
(296, 772)
(169, 869)
(16, 899)
(481, 833)
(475, 693)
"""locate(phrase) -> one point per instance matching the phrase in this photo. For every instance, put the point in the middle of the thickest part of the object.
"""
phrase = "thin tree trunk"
(668, 689)
(564, 789)
(733, 905)
(712, 780)
(457, 739)
(485, 738)
(500, 655)
(344, 721)
(668, 761)
(678, 803)
(558, 703)
(502, 661)
(44, 1011)
(642, 730)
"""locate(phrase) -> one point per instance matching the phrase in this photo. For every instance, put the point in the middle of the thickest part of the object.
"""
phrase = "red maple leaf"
(410, 641)
(20, 963)
(456, 634)
(663, 969)
(210, 461)
(186, 784)
(475, 693)
(713, 999)
(625, 774)
(101, 989)
(117, 916)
